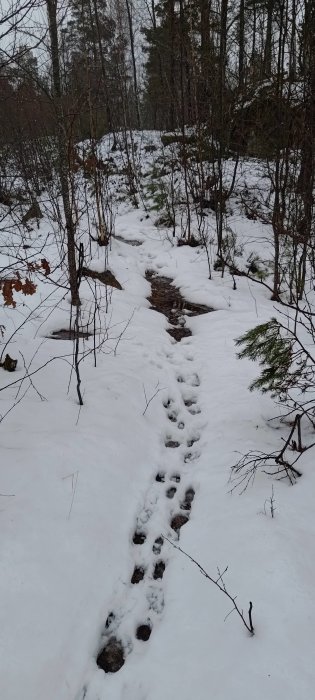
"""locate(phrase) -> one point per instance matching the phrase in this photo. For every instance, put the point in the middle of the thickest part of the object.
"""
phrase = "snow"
(76, 484)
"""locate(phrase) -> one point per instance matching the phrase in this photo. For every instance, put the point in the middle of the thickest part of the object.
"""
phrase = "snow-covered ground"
(76, 485)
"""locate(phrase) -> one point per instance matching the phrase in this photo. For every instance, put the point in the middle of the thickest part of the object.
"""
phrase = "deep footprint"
(192, 440)
(170, 493)
(138, 574)
(172, 443)
(188, 499)
(172, 416)
(160, 477)
(159, 570)
(178, 521)
(157, 545)
(143, 632)
(190, 402)
(139, 537)
(176, 478)
(112, 657)
(191, 456)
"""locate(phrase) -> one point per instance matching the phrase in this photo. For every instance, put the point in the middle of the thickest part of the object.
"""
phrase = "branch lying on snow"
(106, 277)
(219, 583)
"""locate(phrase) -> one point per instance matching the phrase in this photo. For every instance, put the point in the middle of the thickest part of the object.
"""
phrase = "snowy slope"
(77, 485)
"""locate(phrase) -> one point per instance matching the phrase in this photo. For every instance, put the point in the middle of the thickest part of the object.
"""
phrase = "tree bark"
(62, 141)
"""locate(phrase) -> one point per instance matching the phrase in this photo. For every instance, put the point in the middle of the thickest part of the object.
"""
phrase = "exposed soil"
(179, 333)
(160, 477)
(178, 521)
(111, 658)
(159, 570)
(138, 574)
(139, 537)
(167, 299)
(143, 632)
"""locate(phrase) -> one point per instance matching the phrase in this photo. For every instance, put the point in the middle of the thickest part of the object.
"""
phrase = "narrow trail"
(167, 505)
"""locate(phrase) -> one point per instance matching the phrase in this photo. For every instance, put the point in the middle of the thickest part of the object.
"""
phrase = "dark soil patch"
(170, 493)
(159, 570)
(138, 574)
(143, 632)
(179, 333)
(167, 299)
(157, 545)
(112, 657)
(160, 477)
(192, 242)
(178, 521)
(69, 334)
(139, 537)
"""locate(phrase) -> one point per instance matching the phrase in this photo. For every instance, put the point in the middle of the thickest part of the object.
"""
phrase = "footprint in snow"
(192, 440)
(157, 545)
(191, 456)
(171, 443)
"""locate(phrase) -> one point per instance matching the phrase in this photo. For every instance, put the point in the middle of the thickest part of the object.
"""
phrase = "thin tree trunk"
(241, 53)
(133, 60)
(268, 42)
(62, 141)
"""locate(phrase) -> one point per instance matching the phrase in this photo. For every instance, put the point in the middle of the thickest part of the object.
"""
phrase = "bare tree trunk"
(204, 92)
(241, 53)
(268, 42)
(63, 165)
(104, 74)
(133, 59)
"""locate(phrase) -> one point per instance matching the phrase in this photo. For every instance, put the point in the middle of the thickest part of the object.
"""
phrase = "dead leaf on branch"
(7, 287)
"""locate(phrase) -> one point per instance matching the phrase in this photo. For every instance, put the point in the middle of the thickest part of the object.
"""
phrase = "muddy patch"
(112, 657)
(143, 632)
(159, 569)
(178, 521)
(167, 299)
(139, 537)
(138, 574)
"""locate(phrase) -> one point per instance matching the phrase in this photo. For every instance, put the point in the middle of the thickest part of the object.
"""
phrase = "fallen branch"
(219, 583)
